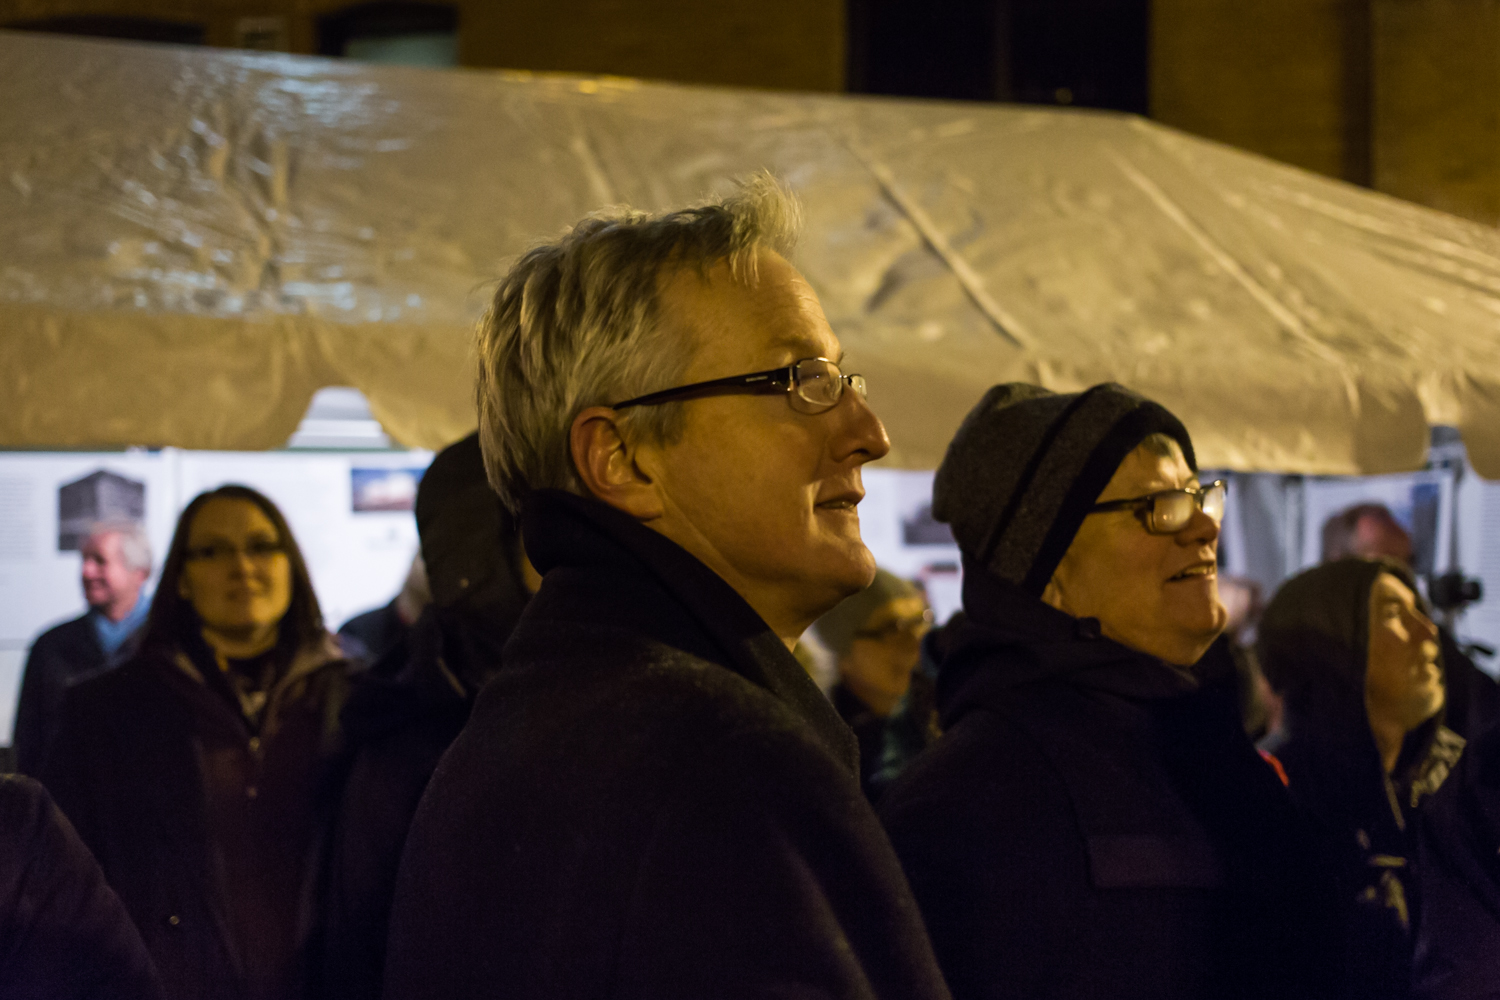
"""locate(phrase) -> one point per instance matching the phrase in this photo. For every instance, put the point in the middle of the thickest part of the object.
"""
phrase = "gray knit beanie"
(1027, 464)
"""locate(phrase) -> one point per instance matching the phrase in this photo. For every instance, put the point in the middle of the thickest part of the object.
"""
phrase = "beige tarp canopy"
(193, 241)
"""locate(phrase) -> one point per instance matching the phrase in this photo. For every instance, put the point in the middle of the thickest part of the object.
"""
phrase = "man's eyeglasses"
(258, 550)
(915, 626)
(812, 385)
(1169, 511)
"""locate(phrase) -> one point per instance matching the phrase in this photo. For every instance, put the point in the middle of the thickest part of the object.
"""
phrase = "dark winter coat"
(400, 718)
(60, 657)
(205, 820)
(1458, 923)
(63, 933)
(1313, 642)
(652, 799)
(1095, 823)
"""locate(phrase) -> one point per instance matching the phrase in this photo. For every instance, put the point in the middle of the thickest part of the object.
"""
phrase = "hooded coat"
(1313, 643)
(652, 799)
(400, 718)
(405, 712)
(205, 817)
(1094, 822)
(1458, 924)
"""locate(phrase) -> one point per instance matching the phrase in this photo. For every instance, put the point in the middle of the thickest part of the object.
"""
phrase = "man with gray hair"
(116, 566)
(652, 798)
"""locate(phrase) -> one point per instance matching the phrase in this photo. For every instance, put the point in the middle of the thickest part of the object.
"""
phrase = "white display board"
(1479, 556)
(895, 520)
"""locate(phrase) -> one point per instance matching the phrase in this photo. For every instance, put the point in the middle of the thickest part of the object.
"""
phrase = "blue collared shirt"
(112, 635)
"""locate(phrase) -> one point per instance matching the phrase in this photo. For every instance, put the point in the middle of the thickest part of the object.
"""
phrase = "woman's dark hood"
(1313, 644)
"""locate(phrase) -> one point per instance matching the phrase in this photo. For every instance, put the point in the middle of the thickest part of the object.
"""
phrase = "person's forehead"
(773, 320)
(104, 543)
(229, 517)
(1146, 471)
(1392, 588)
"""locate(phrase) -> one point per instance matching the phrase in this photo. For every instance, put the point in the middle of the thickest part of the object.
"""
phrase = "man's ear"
(605, 459)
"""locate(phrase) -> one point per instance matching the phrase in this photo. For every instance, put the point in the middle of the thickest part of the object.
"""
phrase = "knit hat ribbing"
(1027, 464)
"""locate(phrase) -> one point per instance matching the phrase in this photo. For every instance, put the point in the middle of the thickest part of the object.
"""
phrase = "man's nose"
(861, 431)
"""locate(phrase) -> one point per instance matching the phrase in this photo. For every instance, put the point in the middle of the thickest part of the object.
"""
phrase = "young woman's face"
(1403, 682)
(237, 575)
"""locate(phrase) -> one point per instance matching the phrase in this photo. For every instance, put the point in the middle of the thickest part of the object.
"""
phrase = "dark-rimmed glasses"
(915, 626)
(812, 385)
(1169, 511)
(257, 550)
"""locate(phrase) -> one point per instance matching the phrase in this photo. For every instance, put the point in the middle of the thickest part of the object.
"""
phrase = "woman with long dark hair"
(193, 771)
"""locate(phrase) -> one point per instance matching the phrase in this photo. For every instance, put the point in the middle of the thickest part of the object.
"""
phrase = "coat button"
(174, 920)
(251, 792)
(255, 744)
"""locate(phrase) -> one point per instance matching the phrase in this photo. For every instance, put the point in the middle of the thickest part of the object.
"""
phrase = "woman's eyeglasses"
(1169, 511)
(257, 550)
(812, 385)
(915, 626)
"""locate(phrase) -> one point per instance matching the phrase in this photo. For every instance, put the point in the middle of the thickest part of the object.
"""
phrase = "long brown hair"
(173, 624)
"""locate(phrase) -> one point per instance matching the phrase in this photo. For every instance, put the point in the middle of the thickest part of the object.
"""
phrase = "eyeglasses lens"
(1213, 502)
(820, 384)
(1171, 512)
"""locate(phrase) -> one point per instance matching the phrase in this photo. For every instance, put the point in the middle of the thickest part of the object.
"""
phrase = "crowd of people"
(582, 754)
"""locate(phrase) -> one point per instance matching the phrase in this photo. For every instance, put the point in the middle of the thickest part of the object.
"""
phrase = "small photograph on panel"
(384, 490)
(101, 497)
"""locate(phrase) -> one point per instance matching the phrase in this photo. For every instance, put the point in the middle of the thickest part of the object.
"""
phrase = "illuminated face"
(1403, 682)
(887, 648)
(109, 584)
(237, 575)
(1157, 594)
(763, 493)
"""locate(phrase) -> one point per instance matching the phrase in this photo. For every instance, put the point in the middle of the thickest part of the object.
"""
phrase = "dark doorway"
(392, 32)
(134, 29)
(923, 48)
(1092, 53)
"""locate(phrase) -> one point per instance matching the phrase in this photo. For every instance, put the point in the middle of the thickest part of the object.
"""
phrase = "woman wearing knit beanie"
(1350, 649)
(1094, 822)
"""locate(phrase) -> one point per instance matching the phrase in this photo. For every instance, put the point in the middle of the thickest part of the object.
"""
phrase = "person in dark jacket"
(1355, 659)
(875, 637)
(653, 798)
(1094, 821)
(1458, 869)
(63, 933)
(373, 635)
(194, 771)
(1370, 531)
(404, 712)
(116, 565)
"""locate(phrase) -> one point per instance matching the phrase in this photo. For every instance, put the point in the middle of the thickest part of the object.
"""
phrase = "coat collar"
(673, 597)
(1007, 639)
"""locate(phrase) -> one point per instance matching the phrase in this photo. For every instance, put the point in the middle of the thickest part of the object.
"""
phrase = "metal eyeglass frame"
(787, 378)
(1147, 504)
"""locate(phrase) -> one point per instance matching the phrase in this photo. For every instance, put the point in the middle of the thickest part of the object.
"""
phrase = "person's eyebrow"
(801, 347)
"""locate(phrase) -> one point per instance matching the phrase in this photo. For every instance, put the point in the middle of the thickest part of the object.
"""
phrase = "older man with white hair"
(116, 566)
(653, 799)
